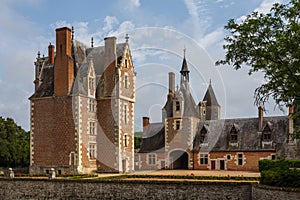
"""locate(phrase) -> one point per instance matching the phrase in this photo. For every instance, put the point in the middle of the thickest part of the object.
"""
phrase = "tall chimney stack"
(171, 83)
(291, 119)
(51, 54)
(110, 51)
(260, 117)
(145, 123)
(63, 67)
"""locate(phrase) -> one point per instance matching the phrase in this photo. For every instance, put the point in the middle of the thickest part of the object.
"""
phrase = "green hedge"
(280, 173)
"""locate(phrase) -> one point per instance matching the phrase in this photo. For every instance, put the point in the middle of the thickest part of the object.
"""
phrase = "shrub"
(280, 173)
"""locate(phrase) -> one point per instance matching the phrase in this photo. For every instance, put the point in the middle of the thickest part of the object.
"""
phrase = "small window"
(203, 159)
(47, 171)
(126, 140)
(126, 63)
(92, 151)
(91, 83)
(126, 81)
(228, 157)
(92, 128)
(240, 159)
(177, 105)
(151, 159)
(273, 157)
(59, 172)
(267, 136)
(233, 134)
(125, 114)
(177, 124)
(91, 105)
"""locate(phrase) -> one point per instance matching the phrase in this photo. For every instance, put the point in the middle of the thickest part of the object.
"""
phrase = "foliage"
(137, 139)
(269, 43)
(14, 143)
(280, 173)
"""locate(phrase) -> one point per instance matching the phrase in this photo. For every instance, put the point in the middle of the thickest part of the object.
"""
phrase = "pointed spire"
(126, 37)
(210, 96)
(184, 69)
(92, 42)
(72, 33)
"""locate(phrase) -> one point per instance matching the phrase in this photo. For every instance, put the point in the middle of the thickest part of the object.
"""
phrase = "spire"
(210, 96)
(126, 38)
(72, 36)
(184, 69)
(92, 42)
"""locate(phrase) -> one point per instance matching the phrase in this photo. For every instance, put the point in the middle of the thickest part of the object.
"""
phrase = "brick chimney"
(63, 67)
(260, 118)
(291, 120)
(171, 83)
(110, 50)
(51, 54)
(145, 123)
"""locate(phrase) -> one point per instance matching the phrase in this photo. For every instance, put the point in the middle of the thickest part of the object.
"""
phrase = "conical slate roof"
(210, 97)
(184, 67)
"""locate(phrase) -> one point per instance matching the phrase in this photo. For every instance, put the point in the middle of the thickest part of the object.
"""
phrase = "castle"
(82, 109)
(193, 136)
(82, 119)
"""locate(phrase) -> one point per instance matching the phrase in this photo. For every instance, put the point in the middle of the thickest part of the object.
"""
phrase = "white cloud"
(264, 7)
(109, 23)
(136, 3)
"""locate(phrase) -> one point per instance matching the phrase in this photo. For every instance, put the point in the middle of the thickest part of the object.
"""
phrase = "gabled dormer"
(178, 104)
(234, 135)
(91, 77)
(267, 132)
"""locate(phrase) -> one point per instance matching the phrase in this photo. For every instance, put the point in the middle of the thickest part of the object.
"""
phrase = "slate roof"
(190, 107)
(80, 53)
(210, 97)
(184, 67)
(249, 136)
(153, 140)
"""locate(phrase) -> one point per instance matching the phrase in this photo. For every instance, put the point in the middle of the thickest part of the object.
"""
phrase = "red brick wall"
(53, 131)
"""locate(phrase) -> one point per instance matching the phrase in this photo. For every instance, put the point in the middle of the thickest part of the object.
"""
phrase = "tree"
(269, 43)
(14, 144)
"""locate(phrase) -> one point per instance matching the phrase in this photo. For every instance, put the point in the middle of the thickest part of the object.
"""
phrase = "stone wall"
(274, 193)
(120, 189)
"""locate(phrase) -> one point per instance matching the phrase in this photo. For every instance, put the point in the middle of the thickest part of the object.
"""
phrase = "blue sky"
(159, 30)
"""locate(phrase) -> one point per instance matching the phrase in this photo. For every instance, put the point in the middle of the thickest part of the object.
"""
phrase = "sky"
(158, 30)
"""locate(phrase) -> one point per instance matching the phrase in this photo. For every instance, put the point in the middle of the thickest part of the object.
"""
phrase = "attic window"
(233, 134)
(267, 133)
(177, 105)
(203, 134)
(91, 83)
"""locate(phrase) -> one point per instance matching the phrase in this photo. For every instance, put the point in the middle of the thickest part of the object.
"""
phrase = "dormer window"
(234, 134)
(203, 134)
(177, 105)
(267, 133)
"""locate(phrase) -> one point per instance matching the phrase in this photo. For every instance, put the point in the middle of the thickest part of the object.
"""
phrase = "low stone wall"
(26, 188)
(120, 189)
(274, 193)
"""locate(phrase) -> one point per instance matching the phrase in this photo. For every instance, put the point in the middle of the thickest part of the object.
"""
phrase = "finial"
(184, 50)
(126, 37)
(49, 43)
(72, 33)
(210, 81)
(92, 42)
(39, 54)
